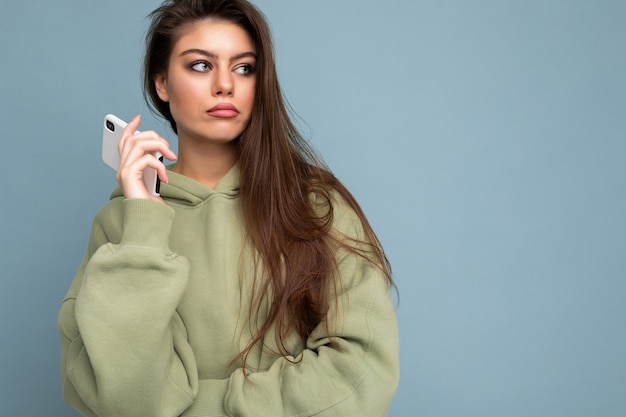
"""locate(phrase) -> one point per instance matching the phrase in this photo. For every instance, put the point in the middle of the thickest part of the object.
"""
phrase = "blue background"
(486, 141)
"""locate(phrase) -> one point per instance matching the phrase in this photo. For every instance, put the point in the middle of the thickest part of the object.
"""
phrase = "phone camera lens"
(110, 126)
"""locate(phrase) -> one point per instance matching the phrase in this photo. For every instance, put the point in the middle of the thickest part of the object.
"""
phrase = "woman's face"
(210, 82)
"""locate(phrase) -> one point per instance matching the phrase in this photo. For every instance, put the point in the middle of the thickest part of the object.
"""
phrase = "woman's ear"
(160, 83)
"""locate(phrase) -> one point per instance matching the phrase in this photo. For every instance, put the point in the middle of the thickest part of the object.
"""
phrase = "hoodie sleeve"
(349, 366)
(348, 369)
(124, 347)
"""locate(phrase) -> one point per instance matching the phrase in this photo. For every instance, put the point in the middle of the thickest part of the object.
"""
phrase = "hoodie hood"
(186, 191)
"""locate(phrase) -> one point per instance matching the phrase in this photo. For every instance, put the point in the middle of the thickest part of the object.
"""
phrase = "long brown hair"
(290, 230)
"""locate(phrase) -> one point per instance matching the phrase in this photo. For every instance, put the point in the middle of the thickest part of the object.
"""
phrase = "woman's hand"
(136, 154)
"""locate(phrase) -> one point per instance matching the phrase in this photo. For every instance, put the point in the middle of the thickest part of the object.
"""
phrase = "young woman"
(254, 285)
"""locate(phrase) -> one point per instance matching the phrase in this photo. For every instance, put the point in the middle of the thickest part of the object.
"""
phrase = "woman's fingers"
(130, 176)
(137, 153)
(129, 131)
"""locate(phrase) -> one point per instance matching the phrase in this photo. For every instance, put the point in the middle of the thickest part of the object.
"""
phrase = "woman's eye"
(245, 69)
(200, 66)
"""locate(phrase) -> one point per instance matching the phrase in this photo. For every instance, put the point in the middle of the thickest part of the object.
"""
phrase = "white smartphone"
(111, 136)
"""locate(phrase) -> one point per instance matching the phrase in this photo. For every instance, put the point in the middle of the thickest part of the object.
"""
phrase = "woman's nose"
(223, 83)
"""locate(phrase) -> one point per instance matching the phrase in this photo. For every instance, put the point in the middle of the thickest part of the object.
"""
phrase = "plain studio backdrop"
(485, 140)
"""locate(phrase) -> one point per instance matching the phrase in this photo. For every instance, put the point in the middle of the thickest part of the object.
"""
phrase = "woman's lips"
(223, 110)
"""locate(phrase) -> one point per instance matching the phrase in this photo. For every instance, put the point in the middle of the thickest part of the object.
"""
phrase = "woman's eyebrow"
(215, 56)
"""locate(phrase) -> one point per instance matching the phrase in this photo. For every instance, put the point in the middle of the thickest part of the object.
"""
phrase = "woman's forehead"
(215, 36)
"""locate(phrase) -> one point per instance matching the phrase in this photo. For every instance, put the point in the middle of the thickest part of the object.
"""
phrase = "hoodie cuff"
(210, 399)
(147, 223)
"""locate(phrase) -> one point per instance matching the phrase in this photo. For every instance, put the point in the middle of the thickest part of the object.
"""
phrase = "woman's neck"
(206, 163)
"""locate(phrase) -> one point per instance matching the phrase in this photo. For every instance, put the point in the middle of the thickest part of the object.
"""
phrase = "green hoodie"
(160, 308)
